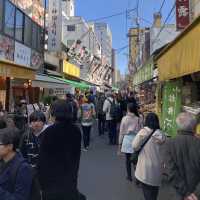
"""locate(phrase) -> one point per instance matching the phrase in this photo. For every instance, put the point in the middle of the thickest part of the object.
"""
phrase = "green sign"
(171, 106)
(145, 73)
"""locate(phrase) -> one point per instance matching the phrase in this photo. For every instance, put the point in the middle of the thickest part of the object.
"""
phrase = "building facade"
(68, 6)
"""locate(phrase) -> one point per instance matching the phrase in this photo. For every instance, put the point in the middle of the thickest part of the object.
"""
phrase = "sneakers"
(86, 149)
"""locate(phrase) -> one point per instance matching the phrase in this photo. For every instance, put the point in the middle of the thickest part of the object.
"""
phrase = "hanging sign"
(182, 14)
(55, 25)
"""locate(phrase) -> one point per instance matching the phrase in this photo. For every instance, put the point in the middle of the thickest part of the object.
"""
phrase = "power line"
(161, 7)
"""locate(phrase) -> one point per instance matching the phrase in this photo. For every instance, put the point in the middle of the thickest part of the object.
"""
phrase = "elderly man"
(183, 159)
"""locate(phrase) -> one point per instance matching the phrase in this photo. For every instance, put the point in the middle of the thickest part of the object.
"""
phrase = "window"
(27, 31)
(9, 20)
(71, 28)
(19, 25)
(34, 36)
(1, 14)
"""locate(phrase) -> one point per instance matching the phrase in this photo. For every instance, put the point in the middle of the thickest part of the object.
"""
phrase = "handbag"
(135, 154)
(127, 143)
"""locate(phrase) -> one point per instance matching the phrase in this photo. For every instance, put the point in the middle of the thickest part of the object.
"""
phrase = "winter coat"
(107, 107)
(59, 161)
(130, 123)
(30, 146)
(149, 166)
(182, 161)
(23, 180)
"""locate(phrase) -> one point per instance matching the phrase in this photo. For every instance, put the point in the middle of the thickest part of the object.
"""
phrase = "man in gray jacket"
(182, 165)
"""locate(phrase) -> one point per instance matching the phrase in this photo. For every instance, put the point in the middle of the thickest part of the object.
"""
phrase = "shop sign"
(71, 69)
(22, 55)
(55, 25)
(143, 74)
(182, 14)
(171, 106)
(36, 59)
(6, 48)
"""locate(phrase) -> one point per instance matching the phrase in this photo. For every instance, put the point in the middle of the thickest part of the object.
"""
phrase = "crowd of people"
(40, 160)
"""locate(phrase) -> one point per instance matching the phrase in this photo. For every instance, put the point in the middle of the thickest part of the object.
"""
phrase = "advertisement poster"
(36, 59)
(182, 14)
(6, 48)
(22, 54)
(55, 25)
(33, 8)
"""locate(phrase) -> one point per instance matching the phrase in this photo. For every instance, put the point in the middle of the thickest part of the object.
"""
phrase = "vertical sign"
(171, 106)
(55, 25)
(182, 14)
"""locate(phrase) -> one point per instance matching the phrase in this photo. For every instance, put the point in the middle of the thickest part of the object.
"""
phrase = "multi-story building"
(21, 52)
(104, 36)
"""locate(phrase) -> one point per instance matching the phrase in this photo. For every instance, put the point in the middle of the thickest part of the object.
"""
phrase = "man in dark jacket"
(60, 156)
(13, 187)
(70, 100)
(183, 159)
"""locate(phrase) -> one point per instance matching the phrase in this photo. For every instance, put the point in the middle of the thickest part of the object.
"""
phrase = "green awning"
(73, 83)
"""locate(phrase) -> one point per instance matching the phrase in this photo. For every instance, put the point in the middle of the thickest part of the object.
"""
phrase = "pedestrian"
(32, 138)
(60, 155)
(109, 108)
(100, 114)
(182, 166)
(149, 165)
(13, 186)
(129, 127)
(74, 105)
(87, 115)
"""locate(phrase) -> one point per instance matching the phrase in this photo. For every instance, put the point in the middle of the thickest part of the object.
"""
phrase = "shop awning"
(181, 57)
(48, 82)
(76, 84)
(10, 69)
(145, 73)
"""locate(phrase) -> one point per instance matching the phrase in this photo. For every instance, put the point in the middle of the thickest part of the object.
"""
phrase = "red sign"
(182, 14)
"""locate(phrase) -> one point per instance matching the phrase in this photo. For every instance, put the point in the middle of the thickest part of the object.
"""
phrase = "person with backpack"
(87, 115)
(32, 139)
(110, 108)
(15, 173)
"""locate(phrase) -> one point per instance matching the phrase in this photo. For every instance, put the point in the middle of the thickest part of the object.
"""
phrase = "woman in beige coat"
(149, 166)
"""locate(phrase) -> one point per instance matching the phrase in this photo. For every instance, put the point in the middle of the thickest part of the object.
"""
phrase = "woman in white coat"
(130, 125)
(149, 165)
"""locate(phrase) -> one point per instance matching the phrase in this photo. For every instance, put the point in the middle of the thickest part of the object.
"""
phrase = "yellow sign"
(8, 69)
(71, 69)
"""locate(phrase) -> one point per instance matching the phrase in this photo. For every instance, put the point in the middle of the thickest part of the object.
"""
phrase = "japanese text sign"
(55, 25)
(182, 14)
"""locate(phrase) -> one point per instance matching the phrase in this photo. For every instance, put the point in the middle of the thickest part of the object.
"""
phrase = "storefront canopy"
(76, 84)
(145, 73)
(48, 82)
(181, 57)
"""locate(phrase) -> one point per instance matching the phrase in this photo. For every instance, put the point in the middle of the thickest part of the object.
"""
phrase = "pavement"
(102, 174)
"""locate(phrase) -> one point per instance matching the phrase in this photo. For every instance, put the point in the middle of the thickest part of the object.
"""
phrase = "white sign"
(55, 25)
(22, 54)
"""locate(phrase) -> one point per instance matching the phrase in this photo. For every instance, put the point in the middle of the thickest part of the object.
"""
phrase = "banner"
(182, 14)
(55, 25)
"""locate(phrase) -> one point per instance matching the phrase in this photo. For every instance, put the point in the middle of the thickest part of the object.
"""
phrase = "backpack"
(35, 192)
(114, 110)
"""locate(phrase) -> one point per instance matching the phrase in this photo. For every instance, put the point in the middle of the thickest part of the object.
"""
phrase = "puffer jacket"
(182, 163)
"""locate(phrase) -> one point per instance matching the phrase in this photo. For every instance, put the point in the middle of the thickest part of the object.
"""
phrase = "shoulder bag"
(135, 154)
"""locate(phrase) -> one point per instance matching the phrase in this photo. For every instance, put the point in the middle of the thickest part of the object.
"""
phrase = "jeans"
(150, 192)
(86, 135)
(112, 131)
(101, 124)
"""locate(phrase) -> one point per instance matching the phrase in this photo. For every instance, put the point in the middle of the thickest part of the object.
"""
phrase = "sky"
(93, 9)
